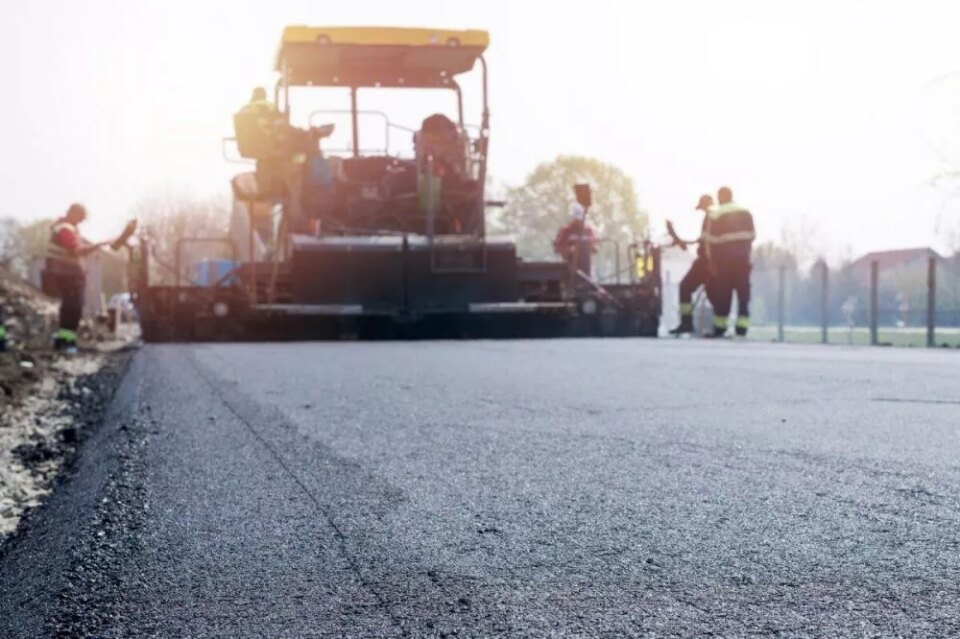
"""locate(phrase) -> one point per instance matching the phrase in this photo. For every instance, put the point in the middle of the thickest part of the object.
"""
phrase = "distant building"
(896, 260)
(902, 282)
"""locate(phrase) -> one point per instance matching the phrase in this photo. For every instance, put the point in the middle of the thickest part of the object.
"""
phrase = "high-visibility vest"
(267, 112)
(259, 106)
(57, 252)
(729, 235)
(729, 223)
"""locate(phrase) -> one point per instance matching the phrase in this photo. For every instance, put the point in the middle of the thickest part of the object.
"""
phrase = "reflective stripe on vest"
(56, 251)
(729, 223)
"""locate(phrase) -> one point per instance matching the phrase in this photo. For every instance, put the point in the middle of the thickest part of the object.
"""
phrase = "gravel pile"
(45, 401)
(30, 316)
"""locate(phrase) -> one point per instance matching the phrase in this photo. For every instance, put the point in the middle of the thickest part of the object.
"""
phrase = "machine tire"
(649, 326)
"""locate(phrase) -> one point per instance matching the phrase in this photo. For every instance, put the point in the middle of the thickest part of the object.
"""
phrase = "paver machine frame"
(384, 246)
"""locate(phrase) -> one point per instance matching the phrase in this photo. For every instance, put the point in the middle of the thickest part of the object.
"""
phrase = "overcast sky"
(831, 117)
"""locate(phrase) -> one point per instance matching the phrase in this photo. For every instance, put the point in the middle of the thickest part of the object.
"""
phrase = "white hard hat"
(577, 212)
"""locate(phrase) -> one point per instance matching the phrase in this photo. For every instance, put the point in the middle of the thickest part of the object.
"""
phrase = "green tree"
(19, 243)
(537, 209)
(35, 236)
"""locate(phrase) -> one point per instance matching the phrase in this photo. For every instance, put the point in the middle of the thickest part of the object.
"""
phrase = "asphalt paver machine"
(381, 245)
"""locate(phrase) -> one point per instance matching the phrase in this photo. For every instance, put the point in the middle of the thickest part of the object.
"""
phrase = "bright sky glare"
(828, 112)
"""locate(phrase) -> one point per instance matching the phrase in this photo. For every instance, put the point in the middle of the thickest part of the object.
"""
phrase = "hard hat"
(705, 202)
(577, 212)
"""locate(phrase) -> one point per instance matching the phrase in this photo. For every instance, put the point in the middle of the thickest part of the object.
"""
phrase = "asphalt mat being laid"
(540, 488)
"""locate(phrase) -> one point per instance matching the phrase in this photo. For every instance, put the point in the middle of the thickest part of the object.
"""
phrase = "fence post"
(824, 303)
(931, 302)
(874, 302)
(781, 296)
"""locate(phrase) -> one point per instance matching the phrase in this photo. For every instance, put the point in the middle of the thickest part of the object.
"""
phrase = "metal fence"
(919, 306)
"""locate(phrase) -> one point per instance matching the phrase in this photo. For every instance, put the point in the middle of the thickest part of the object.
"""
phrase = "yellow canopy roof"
(378, 56)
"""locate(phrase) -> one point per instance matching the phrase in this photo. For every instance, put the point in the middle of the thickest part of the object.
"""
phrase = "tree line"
(901, 292)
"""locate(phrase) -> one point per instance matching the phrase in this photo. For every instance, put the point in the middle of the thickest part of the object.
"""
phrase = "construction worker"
(576, 243)
(64, 272)
(263, 132)
(729, 242)
(699, 273)
(281, 151)
(260, 104)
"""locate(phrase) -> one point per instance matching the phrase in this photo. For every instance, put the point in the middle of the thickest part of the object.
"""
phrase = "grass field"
(860, 336)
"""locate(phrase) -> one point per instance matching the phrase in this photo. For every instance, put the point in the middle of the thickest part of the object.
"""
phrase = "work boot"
(743, 323)
(64, 346)
(686, 326)
(65, 341)
(716, 333)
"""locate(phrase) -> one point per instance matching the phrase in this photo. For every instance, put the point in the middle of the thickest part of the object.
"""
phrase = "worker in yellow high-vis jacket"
(729, 240)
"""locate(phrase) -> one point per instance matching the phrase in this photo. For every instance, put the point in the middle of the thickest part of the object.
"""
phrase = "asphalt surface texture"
(594, 488)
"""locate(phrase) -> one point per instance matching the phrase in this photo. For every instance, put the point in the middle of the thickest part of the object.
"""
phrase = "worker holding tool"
(576, 243)
(699, 273)
(64, 275)
(729, 242)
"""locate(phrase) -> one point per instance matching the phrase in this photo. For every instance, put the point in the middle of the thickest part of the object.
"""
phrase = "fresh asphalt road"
(532, 489)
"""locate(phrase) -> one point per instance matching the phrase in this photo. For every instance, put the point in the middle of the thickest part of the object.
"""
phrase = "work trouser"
(67, 282)
(283, 178)
(697, 276)
(579, 258)
(733, 276)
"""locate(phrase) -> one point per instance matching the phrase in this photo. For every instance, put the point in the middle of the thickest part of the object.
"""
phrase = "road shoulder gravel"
(58, 468)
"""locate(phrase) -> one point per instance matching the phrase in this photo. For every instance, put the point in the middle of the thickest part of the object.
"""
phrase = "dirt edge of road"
(45, 431)
(52, 570)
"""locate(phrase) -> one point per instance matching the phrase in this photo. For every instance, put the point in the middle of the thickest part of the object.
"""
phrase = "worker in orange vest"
(64, 275)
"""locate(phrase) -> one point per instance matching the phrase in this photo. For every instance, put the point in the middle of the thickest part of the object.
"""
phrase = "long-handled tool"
(585, 200)
(124, 236)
